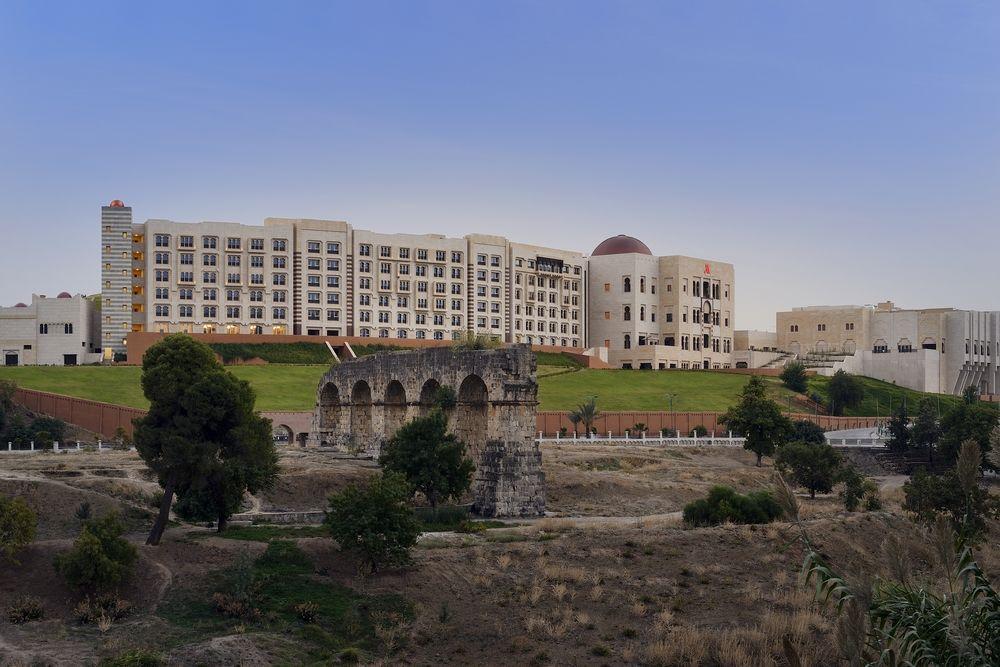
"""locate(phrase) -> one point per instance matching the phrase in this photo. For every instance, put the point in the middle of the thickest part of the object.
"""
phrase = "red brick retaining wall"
(101, 418)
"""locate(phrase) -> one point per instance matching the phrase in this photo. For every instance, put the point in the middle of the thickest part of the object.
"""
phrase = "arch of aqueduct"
(362, 402)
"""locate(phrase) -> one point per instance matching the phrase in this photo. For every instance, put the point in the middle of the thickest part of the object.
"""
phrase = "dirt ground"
(612, 577)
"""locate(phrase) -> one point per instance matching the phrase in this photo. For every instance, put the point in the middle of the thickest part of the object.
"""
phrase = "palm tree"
(587, 413)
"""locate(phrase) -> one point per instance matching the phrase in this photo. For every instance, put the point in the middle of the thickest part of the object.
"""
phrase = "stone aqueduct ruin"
(362, 402)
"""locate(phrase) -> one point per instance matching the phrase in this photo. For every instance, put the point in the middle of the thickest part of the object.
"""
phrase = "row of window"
(848, 326)
(232, 243)
(212, 312)
(44, 328)
(384, 251)
(695, 343)
(553, 283)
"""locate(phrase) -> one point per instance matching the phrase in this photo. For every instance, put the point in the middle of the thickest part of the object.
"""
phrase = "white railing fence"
(708, 440)
(64, 448)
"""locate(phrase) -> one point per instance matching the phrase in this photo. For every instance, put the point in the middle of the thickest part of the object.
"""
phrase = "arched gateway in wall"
(362, 402)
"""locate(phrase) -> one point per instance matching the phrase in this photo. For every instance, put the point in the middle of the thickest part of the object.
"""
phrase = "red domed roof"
(64, 295)
(117, 203)
(621, 245)
(20, 305)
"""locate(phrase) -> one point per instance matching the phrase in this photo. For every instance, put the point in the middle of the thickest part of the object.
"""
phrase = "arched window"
(627, 284)
(628, 313)
(628, 342)
(642, 313)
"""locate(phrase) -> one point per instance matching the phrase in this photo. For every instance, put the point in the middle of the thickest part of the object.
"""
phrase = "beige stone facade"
(940, 350)
(661, 312)
(50, 331)
(325, 278)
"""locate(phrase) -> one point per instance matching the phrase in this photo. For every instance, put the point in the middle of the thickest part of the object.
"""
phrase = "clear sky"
(835, 152)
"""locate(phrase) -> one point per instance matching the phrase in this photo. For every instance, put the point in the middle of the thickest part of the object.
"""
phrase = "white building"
(60, 331)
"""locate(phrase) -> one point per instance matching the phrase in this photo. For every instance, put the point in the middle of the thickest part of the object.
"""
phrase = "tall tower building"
(116, 277)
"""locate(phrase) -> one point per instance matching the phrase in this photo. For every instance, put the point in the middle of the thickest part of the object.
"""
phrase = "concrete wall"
(617, 422)
(21, 331)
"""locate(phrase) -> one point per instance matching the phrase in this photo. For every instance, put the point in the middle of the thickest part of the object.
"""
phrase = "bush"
(235, 606)
(668, 433)
(306, 611)
(809, 465)
(845, 391)
(44, 430)
(25, 609)
(17, 526)
(858, 489)
(110, 606)
(794, 377)
(274, 353)
(724, 504)
(100, 556)
(698, 431)
(374, 522)
(136, 657)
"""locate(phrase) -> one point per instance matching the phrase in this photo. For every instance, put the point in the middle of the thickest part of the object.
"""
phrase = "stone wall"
(360, 403)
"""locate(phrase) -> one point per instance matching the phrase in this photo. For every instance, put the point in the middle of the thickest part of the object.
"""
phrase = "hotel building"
(325, 278)
(51, 331)
(660, 312)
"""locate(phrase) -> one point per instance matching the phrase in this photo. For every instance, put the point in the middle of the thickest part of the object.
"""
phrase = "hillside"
(561, 387)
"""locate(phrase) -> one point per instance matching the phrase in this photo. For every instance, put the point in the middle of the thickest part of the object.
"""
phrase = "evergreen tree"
(431, 460)
(899, 430)
(926, 431)
(809, 465)
(845, 392)
(758, 419)
(794, 377)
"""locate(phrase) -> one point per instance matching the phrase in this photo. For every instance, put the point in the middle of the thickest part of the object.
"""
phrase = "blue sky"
(835, 152)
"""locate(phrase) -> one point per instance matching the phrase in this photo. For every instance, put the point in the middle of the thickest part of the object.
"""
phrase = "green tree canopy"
(845, 391)
(375, 521)
(926, 430)
(758, 419)
(804, 430)
(809, 465)
(431, 460)
(967, 421)
(17, 526)
(201, 435)
(587, 413)
(794, 376)
(899, 430)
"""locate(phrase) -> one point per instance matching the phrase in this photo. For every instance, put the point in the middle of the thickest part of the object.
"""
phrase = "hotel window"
(257, 296)
(232, 295)
(313, 246)
(365, 250)
(439, 255)
(364, 283)
(313, 264)
(481, 260)
(278, 313)
(187, 258)
(384, 251)
(162, 293)
(820, 327)
(333, 315)
(257, 261)
(232, 260)
(209, 242)
(312, 314)
(626, 284)
(312, 281)
(385, 267)
(162, 275)
(256, 313)
(364, 266)
(209, 294)
(332, 248)
(209, 311)
(333, 281)
(162, 310)
(333, 298)
(279, 245)
(793, 328)
(186, 242)
(161, 240)
(185, 311)
(233, 243)
(162, 258)
(456, 257)
(333, 265)
(279, 279)
(233, 278)
(185, 294)
(256, 244)
(312, 297)
(456, 288)
(494, 260)
(232, 312)
(256, 278)
(279, 296)
(849, 326)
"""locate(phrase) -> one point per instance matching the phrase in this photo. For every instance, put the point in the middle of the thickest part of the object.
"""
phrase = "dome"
(117, 203)
(20, 304)
(621, 245)
(64, 295)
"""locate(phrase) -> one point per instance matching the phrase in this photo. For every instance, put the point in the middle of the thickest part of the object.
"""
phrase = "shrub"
(46, 429)
(350, 655)
(25, 609)
(858, 489)
(698, 431)
(445, 398)
(83, 511)
(235, 606)
(811, 466)
(668, 433)
(794, 377)
(845, 391)
(639, 427)
(724, 504)
(110, 606)
(100, 556)
(17, 526)
(136, 657)
(375, 522)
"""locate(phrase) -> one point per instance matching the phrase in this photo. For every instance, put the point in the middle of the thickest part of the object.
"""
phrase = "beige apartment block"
(51, 331)
(660, 312)
(824, 329)
(325, 278)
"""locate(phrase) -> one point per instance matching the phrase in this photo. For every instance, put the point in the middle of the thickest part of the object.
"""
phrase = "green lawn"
(278, 387)
(285, 387)
(878, 395)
